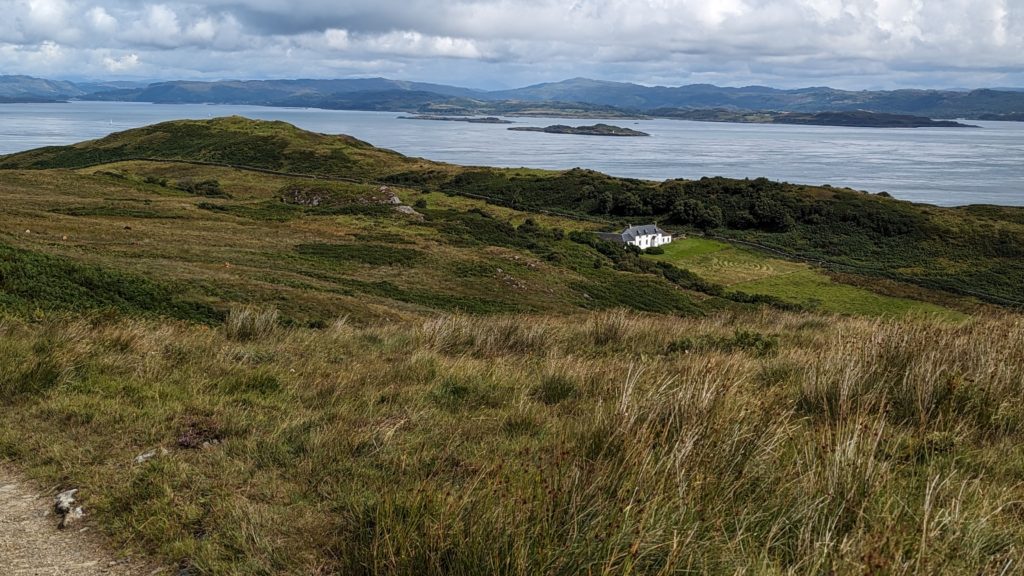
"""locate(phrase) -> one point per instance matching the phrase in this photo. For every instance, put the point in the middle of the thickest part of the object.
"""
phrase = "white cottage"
(643, 237)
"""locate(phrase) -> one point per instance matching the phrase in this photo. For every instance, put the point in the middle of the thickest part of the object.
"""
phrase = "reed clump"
(245, 323)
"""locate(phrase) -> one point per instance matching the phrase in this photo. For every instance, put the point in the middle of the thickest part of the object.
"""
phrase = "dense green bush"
(209, 188)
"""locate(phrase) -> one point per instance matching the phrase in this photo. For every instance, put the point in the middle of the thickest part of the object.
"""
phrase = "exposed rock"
(304, 196)
(389, 197)
(409, 210)
(147, 456)
(64, 506)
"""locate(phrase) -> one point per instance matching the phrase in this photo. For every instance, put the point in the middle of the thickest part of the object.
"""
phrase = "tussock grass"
(534, 444)
(250, 323)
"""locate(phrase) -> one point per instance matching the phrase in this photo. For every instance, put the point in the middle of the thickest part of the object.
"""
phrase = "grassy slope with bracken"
(378, 426)
(974, 251)
(349, 255)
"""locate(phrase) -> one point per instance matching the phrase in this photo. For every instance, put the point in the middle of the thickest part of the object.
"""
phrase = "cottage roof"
(633, 232)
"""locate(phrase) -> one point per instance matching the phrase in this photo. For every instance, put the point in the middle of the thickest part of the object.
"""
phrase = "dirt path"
(31, 545)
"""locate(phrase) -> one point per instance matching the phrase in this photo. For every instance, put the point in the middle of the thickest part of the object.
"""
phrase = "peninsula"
(855, 119)
(470, 119)
(595, 130)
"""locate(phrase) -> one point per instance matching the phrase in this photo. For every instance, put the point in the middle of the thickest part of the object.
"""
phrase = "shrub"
(209, 188)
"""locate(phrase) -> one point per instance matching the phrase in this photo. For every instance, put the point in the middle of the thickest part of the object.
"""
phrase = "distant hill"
(615, 98)
(1011, 117)
(859, 118)
(27, 87)
(930, 103)
(274, 92)
(30, 100)
(579, 97)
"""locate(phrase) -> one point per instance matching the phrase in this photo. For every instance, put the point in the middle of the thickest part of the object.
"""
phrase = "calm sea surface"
(934, 165)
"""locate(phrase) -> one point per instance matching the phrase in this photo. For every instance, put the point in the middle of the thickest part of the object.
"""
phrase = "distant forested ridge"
(578, 97)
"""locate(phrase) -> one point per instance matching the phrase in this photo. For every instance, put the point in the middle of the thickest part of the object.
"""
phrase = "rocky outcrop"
(64, 507)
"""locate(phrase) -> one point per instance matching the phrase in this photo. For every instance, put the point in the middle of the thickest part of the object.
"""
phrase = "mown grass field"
(756, 273)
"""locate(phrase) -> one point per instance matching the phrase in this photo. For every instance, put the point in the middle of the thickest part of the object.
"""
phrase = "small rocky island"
(595, 130)
(470, 119)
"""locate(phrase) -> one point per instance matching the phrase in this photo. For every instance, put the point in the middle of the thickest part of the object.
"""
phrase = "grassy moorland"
(133, 223)
(472, 383)
(973, 251)
(607, 443)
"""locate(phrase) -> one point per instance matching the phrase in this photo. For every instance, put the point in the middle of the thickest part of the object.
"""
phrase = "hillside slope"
(231, 140)
(246, 371)
(190, 239)
(972, 251)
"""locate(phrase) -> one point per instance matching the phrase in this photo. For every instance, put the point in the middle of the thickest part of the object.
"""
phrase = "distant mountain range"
(27, 88)
(578, 96)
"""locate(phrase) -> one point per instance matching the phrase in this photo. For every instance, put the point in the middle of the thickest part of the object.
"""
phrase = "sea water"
(943, 166)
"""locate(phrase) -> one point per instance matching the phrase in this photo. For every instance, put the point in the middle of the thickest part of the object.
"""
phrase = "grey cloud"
(850, 43)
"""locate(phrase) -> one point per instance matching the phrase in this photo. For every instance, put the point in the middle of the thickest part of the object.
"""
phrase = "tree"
(697, 213)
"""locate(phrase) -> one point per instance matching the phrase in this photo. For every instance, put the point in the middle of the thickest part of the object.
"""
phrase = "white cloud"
(415, 44)
(336, 39)
(101, 20)
(123, 64)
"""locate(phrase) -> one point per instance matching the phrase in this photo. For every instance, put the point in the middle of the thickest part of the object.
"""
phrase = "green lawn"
(815, 290)
(756, 273)
(725, 264)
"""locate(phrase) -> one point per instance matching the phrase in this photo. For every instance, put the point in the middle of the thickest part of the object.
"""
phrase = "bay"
(943, 166)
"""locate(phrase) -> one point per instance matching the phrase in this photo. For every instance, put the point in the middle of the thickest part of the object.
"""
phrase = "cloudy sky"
(506, 43)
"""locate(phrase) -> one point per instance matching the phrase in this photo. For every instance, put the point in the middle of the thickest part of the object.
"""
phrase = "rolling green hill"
(341, 360)
(233, 141)
(974, 252)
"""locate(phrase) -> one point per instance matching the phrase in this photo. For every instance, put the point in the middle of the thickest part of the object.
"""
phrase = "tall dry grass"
(250, 322)
(607, 443)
